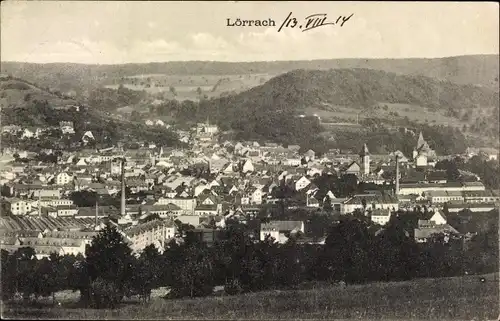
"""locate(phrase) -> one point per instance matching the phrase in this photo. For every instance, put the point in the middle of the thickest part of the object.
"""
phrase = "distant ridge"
(473, 69)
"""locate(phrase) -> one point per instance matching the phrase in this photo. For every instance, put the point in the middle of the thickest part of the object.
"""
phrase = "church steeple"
(421, 141)
(364, 154)
(364, 151)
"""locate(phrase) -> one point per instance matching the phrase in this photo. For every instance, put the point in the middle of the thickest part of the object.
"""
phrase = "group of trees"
(486, 169)
(110, 99)
(352, 253)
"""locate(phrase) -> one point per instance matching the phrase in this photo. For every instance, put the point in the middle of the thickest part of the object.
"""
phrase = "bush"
(105, 294)
(233, 287)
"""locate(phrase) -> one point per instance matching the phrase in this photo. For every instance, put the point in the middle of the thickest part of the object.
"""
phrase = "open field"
(417, 114)
(431, 299)
(186, 85)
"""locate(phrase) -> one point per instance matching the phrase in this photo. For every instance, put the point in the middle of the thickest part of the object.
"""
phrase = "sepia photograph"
(249, 160)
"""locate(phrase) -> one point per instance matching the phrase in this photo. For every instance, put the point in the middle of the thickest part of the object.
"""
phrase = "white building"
(156, 232)
(67, 127)
(381, 216)
(247, 166)
(369, 202)
(17, 206)
(187, 205)
(63, 178)
(302, 183)
(438, 218)
(437, 197)
(279, 230)
(27, 133)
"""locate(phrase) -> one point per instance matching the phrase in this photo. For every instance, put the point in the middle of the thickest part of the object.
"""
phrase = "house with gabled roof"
(427, 229)
(302, 183)
(247, 166)
(352, 168)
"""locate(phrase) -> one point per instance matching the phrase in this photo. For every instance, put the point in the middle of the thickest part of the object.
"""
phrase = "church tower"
(365, 160)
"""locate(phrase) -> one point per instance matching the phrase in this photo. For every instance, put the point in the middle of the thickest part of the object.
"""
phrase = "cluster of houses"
(65, 127)
(209, 181)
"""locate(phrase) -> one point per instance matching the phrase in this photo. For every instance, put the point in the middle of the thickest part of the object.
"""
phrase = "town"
(168, 160)
(57, 203)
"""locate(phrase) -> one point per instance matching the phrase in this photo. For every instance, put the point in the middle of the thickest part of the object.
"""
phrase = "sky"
(117, 32)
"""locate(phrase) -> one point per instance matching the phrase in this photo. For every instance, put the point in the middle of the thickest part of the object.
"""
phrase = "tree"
(134, 115)
(109, 264)
(327, 204)
(347, 185)
(45, 279)
(9, 275)
(345, 254)
(25, 266)
(173, 91)
(146, 273)
(84, 198)
(194, 276)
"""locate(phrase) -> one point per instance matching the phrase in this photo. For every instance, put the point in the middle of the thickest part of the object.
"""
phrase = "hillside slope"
(475, 69)
(47, 109)
(459, 298)
(15, 92)
(270, 110)
(363, 87)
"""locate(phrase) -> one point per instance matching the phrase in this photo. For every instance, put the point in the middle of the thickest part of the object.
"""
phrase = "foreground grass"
(432, 299)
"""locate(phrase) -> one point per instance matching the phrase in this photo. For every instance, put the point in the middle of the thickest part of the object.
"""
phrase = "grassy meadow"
(186, 85)
(464, 298)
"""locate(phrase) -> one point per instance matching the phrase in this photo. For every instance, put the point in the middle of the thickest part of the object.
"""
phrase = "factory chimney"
(122, 205)
(39, 205)
(397, 174)
(96, 212)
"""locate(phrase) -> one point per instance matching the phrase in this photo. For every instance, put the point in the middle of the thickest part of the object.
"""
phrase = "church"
(422, 153)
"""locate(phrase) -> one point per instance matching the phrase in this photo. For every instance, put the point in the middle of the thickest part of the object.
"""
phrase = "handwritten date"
(313, 21)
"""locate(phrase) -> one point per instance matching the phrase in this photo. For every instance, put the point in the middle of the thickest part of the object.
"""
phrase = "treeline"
(111, 99)
(250, 121)
(477, 69)
(352, 254)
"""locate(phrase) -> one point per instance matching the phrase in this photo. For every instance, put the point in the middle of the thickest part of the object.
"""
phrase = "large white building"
(419, 188)
(155, 232)
(437, 197)
(367, 202)
(187, 205)
(17, 206)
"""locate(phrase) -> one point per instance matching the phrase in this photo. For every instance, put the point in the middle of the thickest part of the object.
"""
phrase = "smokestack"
(122, 205)
(96, 211)
(39, 205)
(397, 175)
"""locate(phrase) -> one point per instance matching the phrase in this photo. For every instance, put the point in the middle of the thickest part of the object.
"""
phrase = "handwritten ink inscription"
(313, 21)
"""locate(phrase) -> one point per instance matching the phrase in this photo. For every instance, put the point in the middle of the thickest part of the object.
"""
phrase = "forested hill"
(474, 69)
(362, 87)
(271, 111)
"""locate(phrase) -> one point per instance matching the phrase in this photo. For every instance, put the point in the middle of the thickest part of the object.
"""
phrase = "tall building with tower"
(422, 153)
(365, 160)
